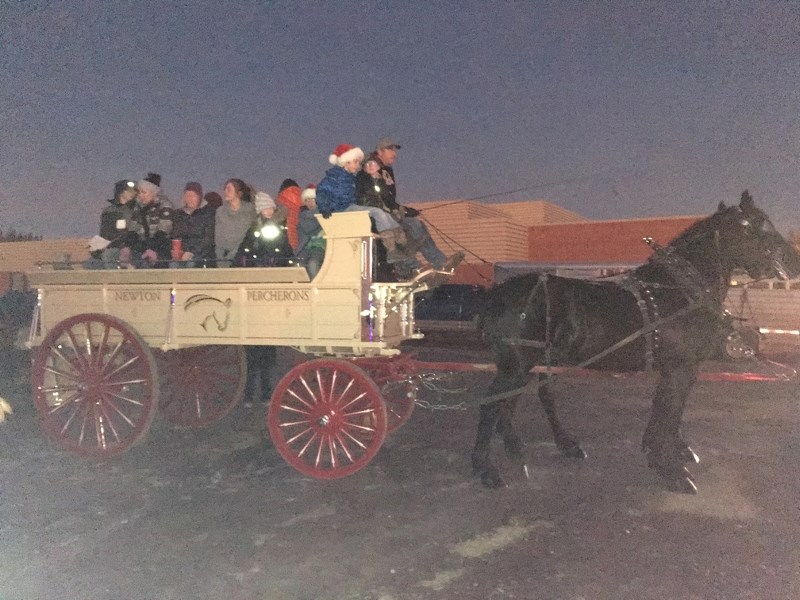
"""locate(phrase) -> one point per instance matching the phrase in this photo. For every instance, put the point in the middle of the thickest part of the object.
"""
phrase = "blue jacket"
(336, 191)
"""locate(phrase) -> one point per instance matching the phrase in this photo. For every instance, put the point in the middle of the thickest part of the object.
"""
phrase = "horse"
(665, 316)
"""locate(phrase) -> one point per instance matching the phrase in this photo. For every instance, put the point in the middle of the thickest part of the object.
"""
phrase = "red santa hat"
(345, 153)
(310, 193)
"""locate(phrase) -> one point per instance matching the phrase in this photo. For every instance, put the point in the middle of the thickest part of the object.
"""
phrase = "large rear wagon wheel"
(200, 385)
(95, 385)
(327, 418)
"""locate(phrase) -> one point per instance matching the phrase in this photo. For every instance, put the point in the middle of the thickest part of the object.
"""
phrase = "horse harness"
(687, 279)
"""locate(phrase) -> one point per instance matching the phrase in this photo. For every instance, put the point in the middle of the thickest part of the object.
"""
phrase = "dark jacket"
(336, 191)
(260, 250)
(156, 224)
(372, 191)
(196, 231)
(129, 230)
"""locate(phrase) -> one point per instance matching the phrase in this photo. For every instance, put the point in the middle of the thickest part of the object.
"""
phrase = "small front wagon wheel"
(327, 418)
(95, 385)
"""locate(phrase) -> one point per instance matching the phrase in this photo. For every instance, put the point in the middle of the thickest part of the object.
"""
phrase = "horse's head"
(748, 240)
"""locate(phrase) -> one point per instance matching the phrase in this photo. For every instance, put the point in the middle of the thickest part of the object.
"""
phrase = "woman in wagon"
(337, 192)
(232, 220)
(266, 244)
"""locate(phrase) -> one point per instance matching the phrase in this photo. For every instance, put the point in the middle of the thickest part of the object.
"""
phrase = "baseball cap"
(387, 142)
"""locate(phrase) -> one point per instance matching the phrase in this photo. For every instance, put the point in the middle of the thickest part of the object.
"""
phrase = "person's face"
(387, 156)
(268, 212)
(371, 167)
(230, 193)
(146, 196)
(127, 195)
(352, 166)
(311, 203)
(191, 200)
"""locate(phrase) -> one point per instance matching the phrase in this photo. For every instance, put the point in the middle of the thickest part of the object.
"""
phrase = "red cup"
(177, 249)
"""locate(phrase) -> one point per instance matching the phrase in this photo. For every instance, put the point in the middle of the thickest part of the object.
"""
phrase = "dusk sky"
(613, 109)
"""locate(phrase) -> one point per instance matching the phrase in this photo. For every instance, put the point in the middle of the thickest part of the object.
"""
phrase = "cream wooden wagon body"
(113, 347)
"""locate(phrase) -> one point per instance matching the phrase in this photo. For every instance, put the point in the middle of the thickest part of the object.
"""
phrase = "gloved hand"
(326, 214)
(411, 212)
(150, 255)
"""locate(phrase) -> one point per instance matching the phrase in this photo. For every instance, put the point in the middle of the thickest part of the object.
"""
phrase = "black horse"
(665, 315)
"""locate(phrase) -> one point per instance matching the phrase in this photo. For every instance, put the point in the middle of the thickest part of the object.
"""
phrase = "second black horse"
(665, 315)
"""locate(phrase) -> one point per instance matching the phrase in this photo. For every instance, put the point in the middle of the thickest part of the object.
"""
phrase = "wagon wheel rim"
(400, 397)
(201, 385)
(95, 385)
(327, 418)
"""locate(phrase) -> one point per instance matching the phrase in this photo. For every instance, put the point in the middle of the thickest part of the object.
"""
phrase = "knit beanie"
(344, 153)
(121, 186)
(195, 187)
(287, 183)
(310, 193)
(263, 201)
(151, 182)
(213, 199)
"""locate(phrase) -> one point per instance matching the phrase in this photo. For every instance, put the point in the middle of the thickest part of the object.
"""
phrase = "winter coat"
(156, 229)
(115, 214)
(196, 231)
(373, 191)
(309, 231)
(258, 250)
(231, 227)
(291, 198)
(336, 191)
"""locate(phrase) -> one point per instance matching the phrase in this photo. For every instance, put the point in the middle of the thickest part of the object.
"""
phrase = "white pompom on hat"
(263, 201)
(344, 153)
(310, 193)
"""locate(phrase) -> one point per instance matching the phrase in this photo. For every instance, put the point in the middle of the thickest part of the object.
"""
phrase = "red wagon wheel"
(95, 385)
(397, 379)
(200, 385)
(400, 397)
(326, 418)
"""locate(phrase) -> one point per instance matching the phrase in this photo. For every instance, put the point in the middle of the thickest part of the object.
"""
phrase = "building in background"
(536, 232)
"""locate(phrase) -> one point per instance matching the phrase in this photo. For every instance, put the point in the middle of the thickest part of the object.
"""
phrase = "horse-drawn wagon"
(113, 347)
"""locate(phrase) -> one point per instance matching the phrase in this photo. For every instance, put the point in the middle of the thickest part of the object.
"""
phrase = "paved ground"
(217, 514)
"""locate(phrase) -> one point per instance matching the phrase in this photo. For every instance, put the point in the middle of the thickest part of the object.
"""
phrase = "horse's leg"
(482, 464)
(567, 444)
(505, 427)
(666, 452)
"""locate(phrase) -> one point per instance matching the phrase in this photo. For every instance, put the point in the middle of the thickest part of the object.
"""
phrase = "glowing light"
(270, 231)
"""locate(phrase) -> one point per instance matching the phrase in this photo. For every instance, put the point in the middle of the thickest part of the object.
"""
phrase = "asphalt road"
(217, 514)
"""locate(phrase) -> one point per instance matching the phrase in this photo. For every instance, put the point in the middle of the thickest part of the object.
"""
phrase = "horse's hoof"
(683, 485)
(573, 450)
(492, 480)
(689, 456)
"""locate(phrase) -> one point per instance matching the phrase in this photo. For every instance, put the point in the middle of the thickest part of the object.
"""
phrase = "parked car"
(449, 307)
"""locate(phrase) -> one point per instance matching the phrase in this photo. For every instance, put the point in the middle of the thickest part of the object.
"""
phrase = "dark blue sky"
(613, 109)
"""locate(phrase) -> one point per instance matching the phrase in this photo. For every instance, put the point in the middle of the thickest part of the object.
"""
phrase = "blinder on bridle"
(759, 226)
